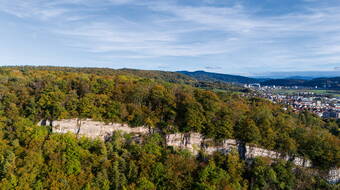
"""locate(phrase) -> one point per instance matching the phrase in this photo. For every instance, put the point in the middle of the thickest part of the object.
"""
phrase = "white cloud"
(33, 9)
(297, 39)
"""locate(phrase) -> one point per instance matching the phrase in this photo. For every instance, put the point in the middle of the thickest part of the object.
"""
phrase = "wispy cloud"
(232, 34)
(32, 9)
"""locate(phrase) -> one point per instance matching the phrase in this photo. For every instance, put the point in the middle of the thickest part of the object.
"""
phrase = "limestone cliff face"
(189, 141)
(193, 142)
(94, 129)
(253, 152)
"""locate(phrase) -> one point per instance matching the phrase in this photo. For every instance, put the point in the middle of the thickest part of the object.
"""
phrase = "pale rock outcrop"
(94, 129)
(334, 176)
(194, 142)
(225, 147)
(253, 152)
(190, 141)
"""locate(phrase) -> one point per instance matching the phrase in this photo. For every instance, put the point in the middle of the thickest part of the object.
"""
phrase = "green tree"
(247, 131)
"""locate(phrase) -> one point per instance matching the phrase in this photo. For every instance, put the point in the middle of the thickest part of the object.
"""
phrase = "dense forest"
(323, 83)
(31, 157)
(207, 76)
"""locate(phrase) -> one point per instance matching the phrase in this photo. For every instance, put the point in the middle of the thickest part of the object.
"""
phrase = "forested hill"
(327, 83)
(330, 83)
(284, 82)
(207, 76)
(150, 74)
(31, 157)
(173, 77)
(198, 78)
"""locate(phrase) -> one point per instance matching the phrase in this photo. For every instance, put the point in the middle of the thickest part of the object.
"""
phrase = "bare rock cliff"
(193, 142)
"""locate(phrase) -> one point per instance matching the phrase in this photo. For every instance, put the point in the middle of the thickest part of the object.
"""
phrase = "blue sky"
(228, 36)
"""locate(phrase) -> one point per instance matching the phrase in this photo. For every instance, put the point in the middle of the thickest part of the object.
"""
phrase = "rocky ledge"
(194, 142)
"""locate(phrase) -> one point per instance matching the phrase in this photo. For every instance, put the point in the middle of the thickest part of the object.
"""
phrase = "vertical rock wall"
(94, 129)
(194, 142)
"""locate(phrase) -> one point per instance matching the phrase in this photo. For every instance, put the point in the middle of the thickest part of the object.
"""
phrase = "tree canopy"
(31, 157)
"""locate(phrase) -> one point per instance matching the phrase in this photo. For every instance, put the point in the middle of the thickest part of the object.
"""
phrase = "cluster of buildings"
(320, 104)
(323, 106)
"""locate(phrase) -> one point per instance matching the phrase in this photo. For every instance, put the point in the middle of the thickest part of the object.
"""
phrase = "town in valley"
(324, 103)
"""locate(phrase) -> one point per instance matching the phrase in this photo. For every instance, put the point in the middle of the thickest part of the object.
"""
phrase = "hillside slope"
(32, 157)
(207, 76)
(325, 83)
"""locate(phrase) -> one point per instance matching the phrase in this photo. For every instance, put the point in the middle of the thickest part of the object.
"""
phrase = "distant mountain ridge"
(207, 76)
(325, 83)
(307, 75)
(198, 78)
